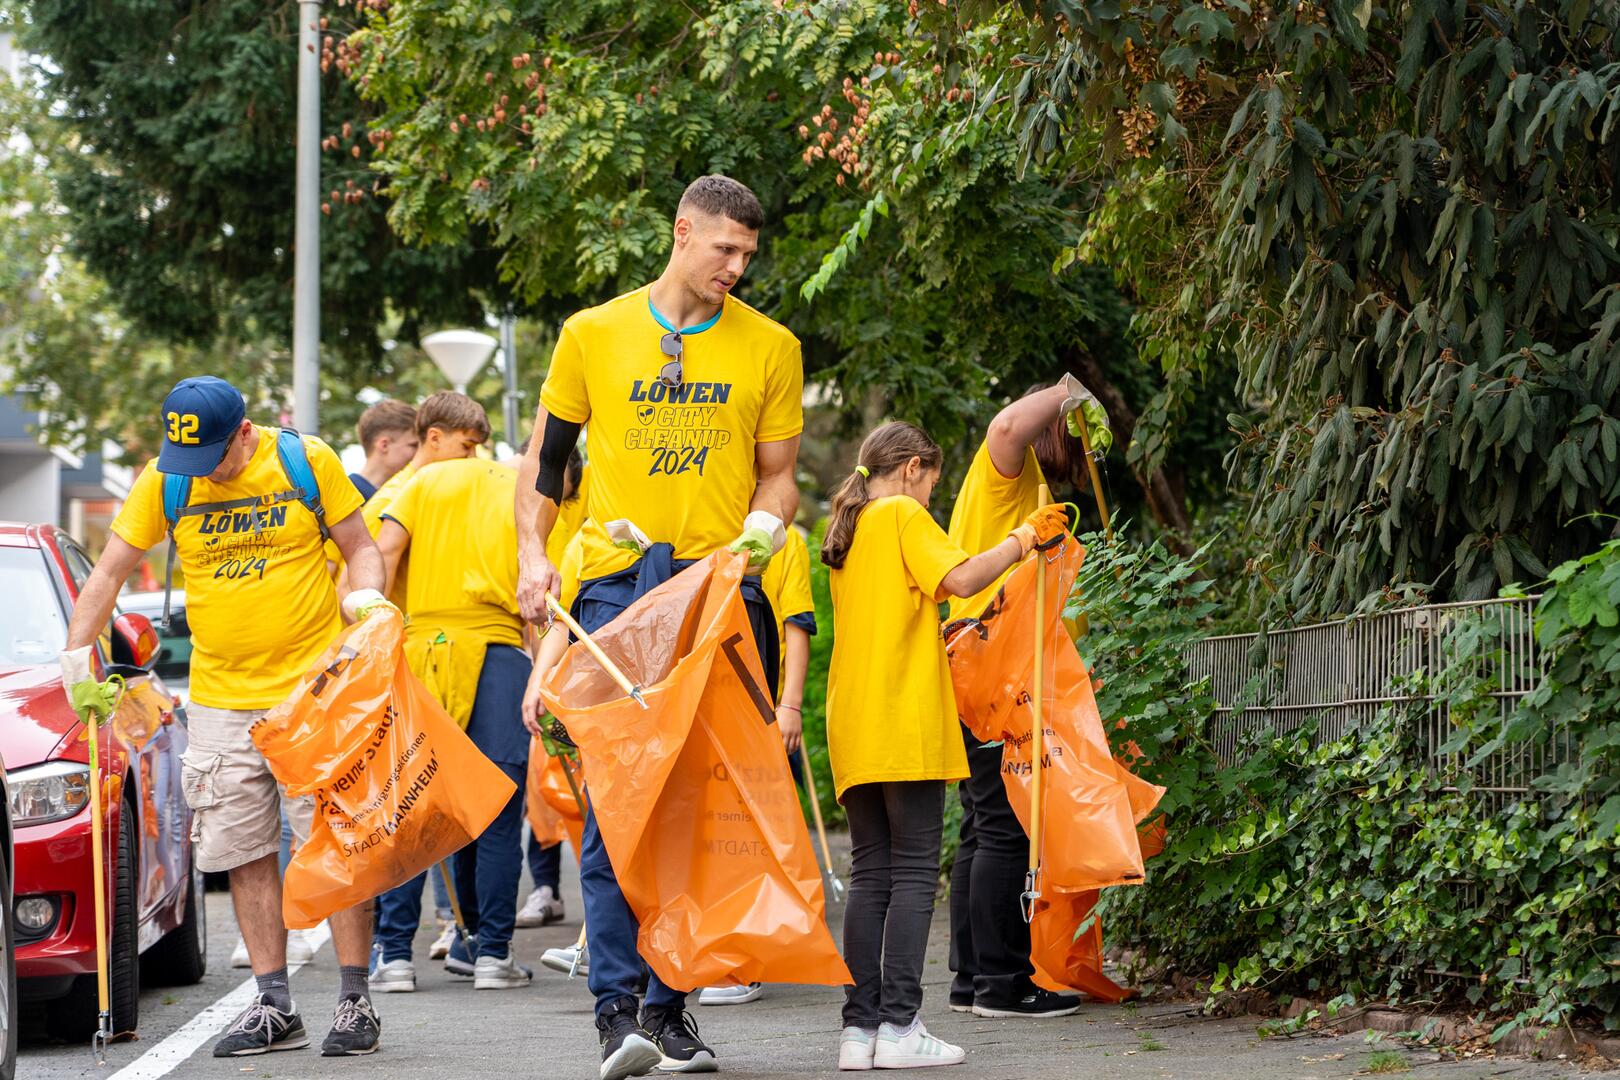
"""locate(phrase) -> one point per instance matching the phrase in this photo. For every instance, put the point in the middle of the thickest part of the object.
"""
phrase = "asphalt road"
(448, 1030)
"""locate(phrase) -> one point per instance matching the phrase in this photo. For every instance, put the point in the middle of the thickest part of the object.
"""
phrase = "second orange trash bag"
(397, 783)
(692, 795)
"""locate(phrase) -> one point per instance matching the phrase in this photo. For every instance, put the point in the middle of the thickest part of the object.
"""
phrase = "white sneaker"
(394, 977)
(731, 995)
(239, 955)
(298, 948)
(500, 973)
(855, 1047)
(542, 908)
(915, 1049)
(563, 960)
(441, 945)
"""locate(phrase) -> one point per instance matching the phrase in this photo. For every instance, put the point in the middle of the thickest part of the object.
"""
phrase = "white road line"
(163, 1058)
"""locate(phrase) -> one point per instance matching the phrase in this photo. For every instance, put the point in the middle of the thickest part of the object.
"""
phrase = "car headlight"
(49, 792)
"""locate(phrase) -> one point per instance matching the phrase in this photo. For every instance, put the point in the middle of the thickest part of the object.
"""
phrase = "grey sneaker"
(355, 1029)
(542, 908)
(501, 973)
(261, 1028)
(394, 977)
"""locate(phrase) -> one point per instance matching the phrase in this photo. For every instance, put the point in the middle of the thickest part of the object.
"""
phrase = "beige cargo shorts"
(235, 801)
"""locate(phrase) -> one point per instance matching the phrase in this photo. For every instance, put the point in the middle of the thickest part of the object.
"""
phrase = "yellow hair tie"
(862, 470)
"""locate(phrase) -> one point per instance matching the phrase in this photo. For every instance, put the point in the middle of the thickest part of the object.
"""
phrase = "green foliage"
(1402, 219)
(178, 190)
(902, 245)
(815, 682)
(1365, 862)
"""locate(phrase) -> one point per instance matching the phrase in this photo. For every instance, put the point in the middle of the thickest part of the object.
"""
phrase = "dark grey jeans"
(894, 831)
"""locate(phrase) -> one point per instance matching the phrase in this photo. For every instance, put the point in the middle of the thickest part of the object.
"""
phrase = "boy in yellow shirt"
(464, 640)
(891, 728)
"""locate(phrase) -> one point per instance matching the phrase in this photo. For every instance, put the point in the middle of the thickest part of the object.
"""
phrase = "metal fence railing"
(1342, 673)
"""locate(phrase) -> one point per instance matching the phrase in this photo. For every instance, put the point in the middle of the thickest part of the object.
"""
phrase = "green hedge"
(1360, 866)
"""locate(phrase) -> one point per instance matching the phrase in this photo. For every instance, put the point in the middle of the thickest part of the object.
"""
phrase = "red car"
(154, 893)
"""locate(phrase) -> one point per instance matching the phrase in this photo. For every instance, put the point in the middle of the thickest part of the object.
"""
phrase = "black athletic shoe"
(961, 1002)
(1036, 1002)
(260, 1029)
(677, 1036)
(355, 1028)
(627, 1050)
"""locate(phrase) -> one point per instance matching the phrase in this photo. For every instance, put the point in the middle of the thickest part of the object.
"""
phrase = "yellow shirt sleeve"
(792, 596)
(404, 507)
(783, 414)
(927, 552)
(140, 520)
(339, 496)
(564, 394)
(573, 559)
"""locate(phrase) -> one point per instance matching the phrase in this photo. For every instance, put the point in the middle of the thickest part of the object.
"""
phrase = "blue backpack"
(295, 466)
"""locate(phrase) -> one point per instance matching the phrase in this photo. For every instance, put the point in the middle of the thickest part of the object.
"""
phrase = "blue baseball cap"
(199, 417)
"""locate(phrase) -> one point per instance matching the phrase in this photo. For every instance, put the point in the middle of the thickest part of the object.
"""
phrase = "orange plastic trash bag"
(397, 783)
(554, 814)
(1093, 802)
(692, 795)
(1066, 957)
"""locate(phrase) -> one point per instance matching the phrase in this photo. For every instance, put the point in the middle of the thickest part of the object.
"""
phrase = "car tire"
(181, 957)
(8, 980)
(75, 1018)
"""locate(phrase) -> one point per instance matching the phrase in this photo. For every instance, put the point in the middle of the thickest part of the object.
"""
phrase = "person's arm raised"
(1016, 426)
(971, 575)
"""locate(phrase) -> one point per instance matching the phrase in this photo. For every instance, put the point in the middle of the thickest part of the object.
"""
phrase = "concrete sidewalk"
(448, 1030)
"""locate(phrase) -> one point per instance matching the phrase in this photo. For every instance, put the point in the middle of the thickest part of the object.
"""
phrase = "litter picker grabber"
(98, 878)
(1032, 879)
(1096, 484)
(560, 752)
(579, 952)
(596, 651)
(835, 887)
(455, 909)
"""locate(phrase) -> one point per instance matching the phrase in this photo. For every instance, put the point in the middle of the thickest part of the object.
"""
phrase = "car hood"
(34, 715)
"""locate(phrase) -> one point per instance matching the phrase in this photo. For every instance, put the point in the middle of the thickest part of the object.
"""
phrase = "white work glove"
(362, 602)
(1082, 406)
(763, 535)
(624, 534)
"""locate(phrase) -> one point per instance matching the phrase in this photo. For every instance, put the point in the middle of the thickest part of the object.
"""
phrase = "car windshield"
(33, 631)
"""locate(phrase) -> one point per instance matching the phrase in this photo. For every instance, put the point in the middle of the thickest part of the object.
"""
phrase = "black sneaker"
(627, 1050)
(961, 1002)
(261, 1028)
(355, 1028)
(1036, 1002)
(677, 1036)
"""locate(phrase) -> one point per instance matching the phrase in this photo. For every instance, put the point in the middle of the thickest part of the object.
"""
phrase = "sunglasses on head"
(670, 373)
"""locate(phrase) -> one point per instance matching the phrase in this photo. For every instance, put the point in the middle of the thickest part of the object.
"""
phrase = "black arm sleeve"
(555, 446)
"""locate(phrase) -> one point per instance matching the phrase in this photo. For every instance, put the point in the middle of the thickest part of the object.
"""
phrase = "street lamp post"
(307, 225)
(459, 354)
(510, 400)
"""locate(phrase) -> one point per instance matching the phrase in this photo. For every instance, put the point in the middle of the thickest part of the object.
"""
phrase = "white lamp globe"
(459, 354)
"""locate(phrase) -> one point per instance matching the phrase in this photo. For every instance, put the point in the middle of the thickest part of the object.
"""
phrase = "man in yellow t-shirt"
(448, 426)
(1026, 443)
(464, 640)
(262, 609)
(694, 407)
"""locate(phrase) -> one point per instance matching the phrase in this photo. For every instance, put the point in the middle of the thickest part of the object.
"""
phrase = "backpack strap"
(176, 494)
(295, 464)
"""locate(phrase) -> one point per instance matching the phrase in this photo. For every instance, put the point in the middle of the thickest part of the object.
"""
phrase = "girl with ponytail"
(892, 727)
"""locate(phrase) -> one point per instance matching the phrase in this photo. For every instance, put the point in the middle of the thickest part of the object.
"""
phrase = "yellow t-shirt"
(463, 542)
(786, 582)
(260, 604)
(988, 507)
(679, 463)
(372, 514)
(891, 712)
(570, 516)
(573, 557)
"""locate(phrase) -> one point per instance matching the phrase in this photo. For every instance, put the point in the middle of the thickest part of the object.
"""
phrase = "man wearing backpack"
(247, 509)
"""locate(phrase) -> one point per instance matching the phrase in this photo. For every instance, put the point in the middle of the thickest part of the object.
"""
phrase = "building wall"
(30, 487)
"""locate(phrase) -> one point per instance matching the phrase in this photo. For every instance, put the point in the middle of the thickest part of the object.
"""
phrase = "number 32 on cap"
(183, 428)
